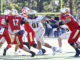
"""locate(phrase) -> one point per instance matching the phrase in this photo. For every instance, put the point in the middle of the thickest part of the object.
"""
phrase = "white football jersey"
(35, 23)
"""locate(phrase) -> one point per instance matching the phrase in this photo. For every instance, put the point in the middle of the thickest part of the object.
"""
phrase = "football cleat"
(43, 51)
(4, 53)
(77, 53)
(59, 50)
(32, 53)
(54, 50)
(40, 52)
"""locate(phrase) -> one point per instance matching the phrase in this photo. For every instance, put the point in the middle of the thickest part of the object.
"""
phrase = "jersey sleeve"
(40, 17)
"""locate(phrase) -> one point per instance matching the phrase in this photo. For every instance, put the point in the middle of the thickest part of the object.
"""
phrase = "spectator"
(56, 28)
(48, 29)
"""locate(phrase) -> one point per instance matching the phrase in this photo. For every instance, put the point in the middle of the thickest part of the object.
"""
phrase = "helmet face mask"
(31, 16)
(32, 13)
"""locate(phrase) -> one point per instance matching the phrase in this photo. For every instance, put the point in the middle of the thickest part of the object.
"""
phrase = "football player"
(73, 26)
(4, 34)
(35, 23)
(14, 22)
(29, 30)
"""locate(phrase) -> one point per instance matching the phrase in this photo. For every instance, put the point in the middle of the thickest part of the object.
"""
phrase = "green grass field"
(67, 54)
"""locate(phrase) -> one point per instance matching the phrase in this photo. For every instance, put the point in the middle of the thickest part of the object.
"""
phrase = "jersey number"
(15, 22)
(3, 21)
(34, 25)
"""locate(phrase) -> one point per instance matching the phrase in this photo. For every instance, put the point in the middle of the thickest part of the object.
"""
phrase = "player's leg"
(7, 38)
(60, 38)
(30, 35)
(30, 38)
(20, 44)
(12, 37)
(60, 45)
(78, 44)
(25, 39)
(35, 46)
(60, 42)
(31, 42)
(2, 40)
(38, 38)
(48, 45)
(30, 32)
(73, 39)
(41, 35)
(16, 48)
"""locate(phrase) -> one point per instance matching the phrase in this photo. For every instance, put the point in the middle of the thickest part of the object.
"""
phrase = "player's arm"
(67, 20)
(23, 21)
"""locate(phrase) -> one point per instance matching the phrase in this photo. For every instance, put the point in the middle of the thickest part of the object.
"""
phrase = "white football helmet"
(6, 12)
(32, 12)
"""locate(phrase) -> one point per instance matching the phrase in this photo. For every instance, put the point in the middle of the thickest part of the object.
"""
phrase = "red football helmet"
(25, 11)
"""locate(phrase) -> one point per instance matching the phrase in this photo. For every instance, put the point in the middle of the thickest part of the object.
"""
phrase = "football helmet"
(65, 10)
(6, 12)
(32, 12)
(13, 12)
(25, 10)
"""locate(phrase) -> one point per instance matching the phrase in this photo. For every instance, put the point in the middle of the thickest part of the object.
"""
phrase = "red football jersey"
(3, 21)
(72, 24)
(14, 22)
